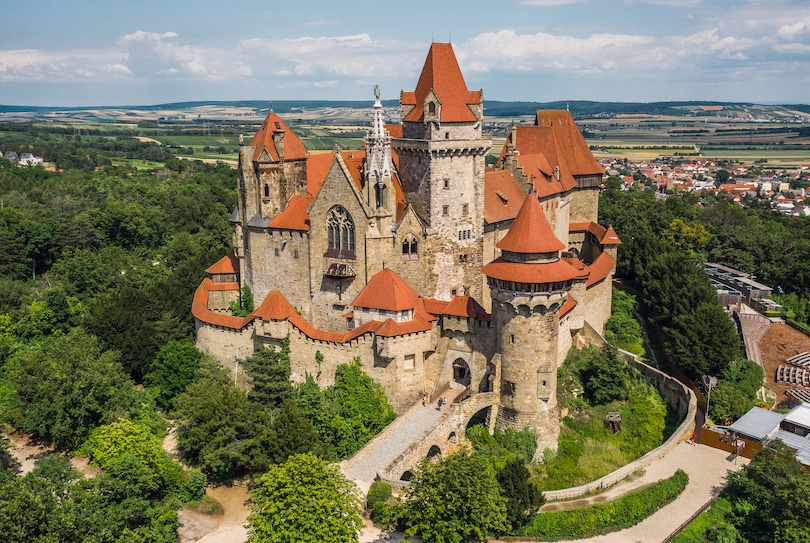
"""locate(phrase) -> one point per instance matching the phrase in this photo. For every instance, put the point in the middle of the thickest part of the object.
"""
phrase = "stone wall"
(279, 260)
(598, 300)
(584, 205)
(679, 397)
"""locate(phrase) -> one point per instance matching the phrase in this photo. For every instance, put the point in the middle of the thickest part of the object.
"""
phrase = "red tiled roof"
(569, 304)
(610, 237)
(294, 216)
(442, 74)
(459, 306)
(571, 144)
(387, 290)
(551, 272)
(599, 269)
(293, 146)
(596, 229)
(531, 231)
(395, 130)
(502, 196)
(226, 265)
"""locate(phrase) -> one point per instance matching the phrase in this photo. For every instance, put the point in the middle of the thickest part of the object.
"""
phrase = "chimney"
(278, 142)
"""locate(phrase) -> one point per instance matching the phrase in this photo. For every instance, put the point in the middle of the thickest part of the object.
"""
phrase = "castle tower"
(529, 283)
(441, 165)
(378, 187)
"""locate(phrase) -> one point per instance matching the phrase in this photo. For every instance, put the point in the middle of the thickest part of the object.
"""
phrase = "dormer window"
(431, 108)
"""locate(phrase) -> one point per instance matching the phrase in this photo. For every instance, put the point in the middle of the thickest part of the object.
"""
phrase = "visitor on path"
(439, 404)
(694, 437)
(424, 400)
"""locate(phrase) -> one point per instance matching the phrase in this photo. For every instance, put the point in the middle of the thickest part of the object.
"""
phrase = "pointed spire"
(378, 145)
(531, 232)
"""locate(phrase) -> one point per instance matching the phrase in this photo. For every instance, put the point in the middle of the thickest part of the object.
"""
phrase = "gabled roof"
(387, 290)
(228, 264)
(570, 142)
(442, 74)
(531, 231)
(610, 237)
(502, 196)
(293, 146)
(599, 269)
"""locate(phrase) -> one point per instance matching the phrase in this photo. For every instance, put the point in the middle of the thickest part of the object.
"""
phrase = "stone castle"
(412, 255)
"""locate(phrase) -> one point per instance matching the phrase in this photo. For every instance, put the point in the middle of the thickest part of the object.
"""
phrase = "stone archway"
(406, 476)
(434, 451)
(461, 372)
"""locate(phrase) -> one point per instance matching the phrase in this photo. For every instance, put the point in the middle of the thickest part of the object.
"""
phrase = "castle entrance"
(461, 372)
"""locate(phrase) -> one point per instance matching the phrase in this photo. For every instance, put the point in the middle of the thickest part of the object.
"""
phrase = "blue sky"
(90, 52)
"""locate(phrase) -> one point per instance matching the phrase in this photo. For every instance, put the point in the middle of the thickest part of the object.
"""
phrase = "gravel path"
(385, 448)
(707, 469)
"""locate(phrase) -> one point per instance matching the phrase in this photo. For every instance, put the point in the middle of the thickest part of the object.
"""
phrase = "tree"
(770, 497)
(65, 386)
(172, 371)
(269, 372)
(523, 497)
(304, 500)
(453, 500)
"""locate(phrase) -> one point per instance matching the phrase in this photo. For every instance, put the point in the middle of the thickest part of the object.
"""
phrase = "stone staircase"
(408, 428)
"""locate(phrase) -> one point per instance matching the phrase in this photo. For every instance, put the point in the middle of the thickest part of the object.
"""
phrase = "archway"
(461, 372)
(434, 451)
(480, 417)
(406, 476)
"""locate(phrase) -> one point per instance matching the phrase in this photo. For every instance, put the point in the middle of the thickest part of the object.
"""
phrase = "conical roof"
(531, 231)
(441, 73)
(611, 237)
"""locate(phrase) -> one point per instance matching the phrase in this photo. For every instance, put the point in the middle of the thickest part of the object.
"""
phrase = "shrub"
(607, 517)
(378, 492)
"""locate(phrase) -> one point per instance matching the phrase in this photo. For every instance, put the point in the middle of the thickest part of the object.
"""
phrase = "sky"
(144, 52)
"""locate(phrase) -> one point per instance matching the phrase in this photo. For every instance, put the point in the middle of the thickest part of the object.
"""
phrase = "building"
(412, 255)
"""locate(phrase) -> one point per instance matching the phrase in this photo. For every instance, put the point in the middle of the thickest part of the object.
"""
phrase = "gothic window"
(409, 248)
(266, 190)
(340, 233)
(431, 108)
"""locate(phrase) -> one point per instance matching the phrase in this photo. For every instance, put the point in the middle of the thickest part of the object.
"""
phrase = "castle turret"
(529, 284)
(378, 187)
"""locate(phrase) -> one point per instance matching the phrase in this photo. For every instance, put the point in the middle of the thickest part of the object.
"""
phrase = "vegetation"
(453, 500)
(305, 499)
(622, 328)
(736, 391)
(607, 517)
(589, 385)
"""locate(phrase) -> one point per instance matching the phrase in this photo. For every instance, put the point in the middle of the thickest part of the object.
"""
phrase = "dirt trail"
(25, 451)
(228, 527)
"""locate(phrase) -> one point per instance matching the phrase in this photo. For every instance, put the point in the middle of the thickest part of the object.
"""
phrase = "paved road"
(385, 448)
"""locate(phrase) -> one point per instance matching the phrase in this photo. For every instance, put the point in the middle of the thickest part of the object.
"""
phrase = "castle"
(412, 255)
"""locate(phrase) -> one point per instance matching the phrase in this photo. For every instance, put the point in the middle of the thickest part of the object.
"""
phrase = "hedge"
(607, 517)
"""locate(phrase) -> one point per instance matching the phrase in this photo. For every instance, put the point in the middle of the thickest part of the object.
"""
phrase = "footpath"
(380, 452)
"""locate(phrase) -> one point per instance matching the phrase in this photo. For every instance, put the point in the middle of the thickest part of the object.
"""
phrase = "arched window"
(266, 190)
(340, 233)
(431, 108)
(409, 248)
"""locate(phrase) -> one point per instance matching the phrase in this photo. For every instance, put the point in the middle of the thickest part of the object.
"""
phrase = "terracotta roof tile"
(531, 231)
(464, 306)
(596, 229)
(387, 290)
(395, 130)
(599, 269)
(294, 216)
(502, 196)
(551, 272)
(569, 304)
(226, 265)
(293, 146)
(610, 237)
(442, 74)
(571, 143)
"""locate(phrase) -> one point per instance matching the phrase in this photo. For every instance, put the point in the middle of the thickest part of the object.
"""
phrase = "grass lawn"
(695, 532)
(137, 163)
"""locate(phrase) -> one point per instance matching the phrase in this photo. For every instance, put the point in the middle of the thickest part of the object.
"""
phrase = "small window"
(409, 248)
(266, 190)
(278, 126)
(465, 209)
(447, 135)
(445, 210)
(276, 251)
(513, 338)
(431, 108)
(295, 254)
(447, 182)
(462, 258)
(453, 292)
(409, 361)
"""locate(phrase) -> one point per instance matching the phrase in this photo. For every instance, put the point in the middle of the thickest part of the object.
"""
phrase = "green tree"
(269, 372)
(453, 500)
(306, 499)
(770, 497)
(172, 371)
(523, 497)
(65, 386)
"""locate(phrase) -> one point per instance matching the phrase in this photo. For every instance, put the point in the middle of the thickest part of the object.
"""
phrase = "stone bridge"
(443, 439)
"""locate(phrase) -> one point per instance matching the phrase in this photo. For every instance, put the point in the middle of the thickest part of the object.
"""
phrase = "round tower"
(529, 284)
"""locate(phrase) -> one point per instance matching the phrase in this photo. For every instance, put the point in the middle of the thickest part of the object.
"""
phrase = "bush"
(378, 492)
(607, 517)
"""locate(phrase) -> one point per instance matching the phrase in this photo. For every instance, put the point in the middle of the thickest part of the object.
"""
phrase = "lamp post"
(710, 382)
